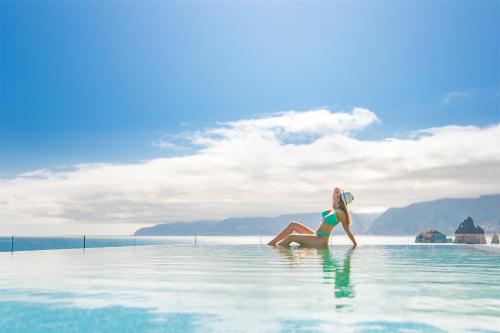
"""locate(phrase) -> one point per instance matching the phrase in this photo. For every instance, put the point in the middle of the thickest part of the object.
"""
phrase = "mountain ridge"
(248, 225)
(440, 214)
(443, 214)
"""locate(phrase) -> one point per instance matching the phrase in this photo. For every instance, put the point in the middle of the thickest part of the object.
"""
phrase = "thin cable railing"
(33, 243)
(58, 242)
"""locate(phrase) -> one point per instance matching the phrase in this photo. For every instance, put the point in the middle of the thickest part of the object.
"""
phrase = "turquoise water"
(237, 285)
(75, 242)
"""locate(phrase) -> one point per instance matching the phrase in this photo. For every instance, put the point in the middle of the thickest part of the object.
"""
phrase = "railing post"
(260, 241)
(12, 244)
(194, 239)
(84, 245)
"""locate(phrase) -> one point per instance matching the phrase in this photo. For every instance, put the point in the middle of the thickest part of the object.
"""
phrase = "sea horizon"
(44, 243)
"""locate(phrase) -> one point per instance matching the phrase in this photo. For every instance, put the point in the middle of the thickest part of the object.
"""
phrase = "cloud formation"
(453, 95)
(280, 163)
(164, 144)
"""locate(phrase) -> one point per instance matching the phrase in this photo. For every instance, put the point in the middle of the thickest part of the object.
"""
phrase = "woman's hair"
(343, 206)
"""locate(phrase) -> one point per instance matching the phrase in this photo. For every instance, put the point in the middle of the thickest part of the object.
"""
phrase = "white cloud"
(250, 168)
(166, 145)
(319, 121)
(453, 95)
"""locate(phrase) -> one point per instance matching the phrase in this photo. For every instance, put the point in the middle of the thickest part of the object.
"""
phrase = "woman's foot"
(271, 243)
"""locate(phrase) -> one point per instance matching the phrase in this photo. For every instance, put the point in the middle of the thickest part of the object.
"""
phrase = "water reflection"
(335, 271)
(340, 274)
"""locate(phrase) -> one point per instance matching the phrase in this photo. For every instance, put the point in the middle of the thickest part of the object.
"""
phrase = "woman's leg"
(292, 226)
(305, 240)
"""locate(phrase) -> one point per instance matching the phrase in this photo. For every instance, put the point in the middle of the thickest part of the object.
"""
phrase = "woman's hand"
(349, 233)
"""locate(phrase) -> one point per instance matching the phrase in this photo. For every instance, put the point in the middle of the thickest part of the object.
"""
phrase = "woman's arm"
(349, 233)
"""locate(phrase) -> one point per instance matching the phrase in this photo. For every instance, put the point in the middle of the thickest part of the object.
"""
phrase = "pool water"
(231, 287)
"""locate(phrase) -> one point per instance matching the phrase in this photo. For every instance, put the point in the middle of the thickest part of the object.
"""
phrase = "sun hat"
(346, 197)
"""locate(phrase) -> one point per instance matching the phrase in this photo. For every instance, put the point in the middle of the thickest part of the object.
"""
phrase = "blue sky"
(101, 81)
(117, 115)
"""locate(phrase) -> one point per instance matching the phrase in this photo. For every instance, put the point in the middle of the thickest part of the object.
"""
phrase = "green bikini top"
(330, 219)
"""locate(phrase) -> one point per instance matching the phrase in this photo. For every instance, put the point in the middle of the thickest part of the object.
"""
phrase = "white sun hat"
(347, 197)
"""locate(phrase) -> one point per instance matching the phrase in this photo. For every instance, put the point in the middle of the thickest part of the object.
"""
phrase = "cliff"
(442, 214)
(468, 233)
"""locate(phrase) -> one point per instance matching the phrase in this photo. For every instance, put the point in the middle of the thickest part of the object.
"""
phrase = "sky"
(116, 115)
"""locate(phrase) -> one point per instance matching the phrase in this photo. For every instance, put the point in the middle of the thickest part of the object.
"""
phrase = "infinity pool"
(221, 287)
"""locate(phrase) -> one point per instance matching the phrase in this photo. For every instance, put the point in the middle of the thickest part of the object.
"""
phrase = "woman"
(319, 238)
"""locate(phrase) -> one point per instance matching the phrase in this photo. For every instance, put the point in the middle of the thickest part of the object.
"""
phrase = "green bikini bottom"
(322, 233)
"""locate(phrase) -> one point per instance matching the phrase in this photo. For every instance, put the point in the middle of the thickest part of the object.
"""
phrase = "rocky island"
(494, 239)
(432, 236)
(468, 233)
